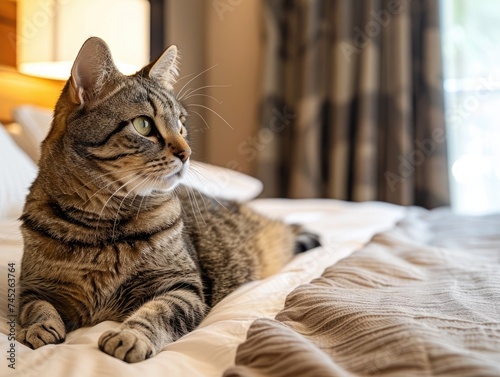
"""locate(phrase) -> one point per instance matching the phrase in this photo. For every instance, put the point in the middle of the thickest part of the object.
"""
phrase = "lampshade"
(51, 32)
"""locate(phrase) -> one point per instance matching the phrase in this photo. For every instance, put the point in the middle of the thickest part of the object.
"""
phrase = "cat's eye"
(142, 125)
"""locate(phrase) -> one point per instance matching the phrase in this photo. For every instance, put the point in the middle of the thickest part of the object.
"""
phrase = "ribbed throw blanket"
(420, 300)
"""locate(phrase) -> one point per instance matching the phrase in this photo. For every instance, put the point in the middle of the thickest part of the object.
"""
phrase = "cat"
(111, 233)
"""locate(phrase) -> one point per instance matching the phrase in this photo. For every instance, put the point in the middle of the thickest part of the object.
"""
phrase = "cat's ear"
(166, 67)
(92, 72)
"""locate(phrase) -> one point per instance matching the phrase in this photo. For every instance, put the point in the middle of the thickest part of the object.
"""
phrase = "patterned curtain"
(353, 102)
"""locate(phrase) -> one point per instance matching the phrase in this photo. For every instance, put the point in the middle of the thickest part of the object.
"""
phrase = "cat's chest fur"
(104, 276)
(113, 281)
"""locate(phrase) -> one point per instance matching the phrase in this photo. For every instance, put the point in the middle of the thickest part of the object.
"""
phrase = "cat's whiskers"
(213, 111)
(192, 92)
(195, 171)
(106, 186)
(204, 95)
(140, 206)
(186, 217)
(82, 205)
(196, 201)
(121, 203)
(190, 179)
(112, 195)
(144, 196)
(189, 93)
(202, 197)
(146, 180)
(180, 96)
(202, 118)
(86, 184)
(190, 195)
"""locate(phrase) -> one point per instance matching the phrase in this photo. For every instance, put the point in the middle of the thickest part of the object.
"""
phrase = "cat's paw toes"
(306, 241)
(41, 334)
(126, 344)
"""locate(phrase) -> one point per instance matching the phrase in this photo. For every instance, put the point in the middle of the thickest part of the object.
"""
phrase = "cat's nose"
(183, 154)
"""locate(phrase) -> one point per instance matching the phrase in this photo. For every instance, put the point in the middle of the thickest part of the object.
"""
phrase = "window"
(471, 51)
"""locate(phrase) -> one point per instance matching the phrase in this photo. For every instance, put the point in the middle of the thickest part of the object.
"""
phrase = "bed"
(397, 291)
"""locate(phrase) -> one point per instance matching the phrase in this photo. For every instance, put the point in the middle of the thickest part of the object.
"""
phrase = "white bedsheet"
(210, 349)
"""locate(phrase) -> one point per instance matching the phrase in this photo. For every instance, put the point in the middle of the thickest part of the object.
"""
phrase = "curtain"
(352, 103)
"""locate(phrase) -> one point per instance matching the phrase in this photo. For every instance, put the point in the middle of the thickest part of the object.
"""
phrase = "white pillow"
(225, 183)
(34, 123)
(17, 171)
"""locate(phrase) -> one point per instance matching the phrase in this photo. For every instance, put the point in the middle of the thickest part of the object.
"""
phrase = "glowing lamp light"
(51, 32)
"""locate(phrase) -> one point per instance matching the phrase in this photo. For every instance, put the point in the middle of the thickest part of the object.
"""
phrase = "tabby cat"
(111, 234)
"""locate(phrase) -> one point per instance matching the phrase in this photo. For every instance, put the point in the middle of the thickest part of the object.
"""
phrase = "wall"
(185, 26)
(224, 34)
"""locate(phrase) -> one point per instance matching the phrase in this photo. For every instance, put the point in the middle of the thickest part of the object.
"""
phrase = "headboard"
(15, 88)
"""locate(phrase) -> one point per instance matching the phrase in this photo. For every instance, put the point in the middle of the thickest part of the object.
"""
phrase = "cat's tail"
(304, 240)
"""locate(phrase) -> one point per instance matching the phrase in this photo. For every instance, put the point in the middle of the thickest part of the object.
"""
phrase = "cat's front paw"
(126, 344)
(305, 241)
(41, 334)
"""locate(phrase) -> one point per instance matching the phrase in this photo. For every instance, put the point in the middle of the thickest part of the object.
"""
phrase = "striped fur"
(109, 232)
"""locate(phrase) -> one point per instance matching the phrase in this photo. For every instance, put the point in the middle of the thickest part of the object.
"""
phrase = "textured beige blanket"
(420, 300)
